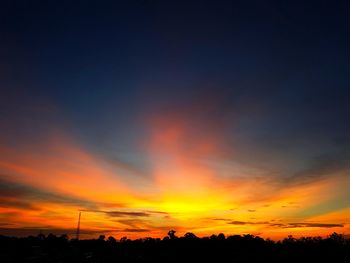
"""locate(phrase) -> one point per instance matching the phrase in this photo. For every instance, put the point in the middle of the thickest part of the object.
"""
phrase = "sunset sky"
(197, 116)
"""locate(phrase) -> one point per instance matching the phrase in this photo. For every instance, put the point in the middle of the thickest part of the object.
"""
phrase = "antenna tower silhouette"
(78, 227)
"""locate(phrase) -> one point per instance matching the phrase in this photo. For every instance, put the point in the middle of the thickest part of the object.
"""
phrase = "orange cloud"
(191, 188)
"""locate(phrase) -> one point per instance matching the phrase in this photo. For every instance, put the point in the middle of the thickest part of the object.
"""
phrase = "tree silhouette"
(171, 234)
(112, 239)
(189, 248)
(190, 235)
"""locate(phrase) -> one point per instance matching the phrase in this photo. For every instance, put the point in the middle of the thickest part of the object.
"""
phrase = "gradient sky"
(198, 116)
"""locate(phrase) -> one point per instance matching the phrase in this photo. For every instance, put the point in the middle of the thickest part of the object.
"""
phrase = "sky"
(199, 116)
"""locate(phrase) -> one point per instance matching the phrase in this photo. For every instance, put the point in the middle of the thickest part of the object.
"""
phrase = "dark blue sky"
(269, 78)
(196, 109)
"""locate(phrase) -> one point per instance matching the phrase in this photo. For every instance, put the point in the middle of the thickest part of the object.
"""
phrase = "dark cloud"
(12, 203)
(157, 212)
(26, 231)
(126, 214)
(118, 213)
(23, 196)
(136, 230)
(287, 225)
(302, 225)
(247, 223)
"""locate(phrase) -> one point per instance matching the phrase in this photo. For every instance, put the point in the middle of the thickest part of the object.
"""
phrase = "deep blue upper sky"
(277, 73)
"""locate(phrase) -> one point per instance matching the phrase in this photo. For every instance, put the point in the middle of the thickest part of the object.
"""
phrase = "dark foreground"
(189, 248)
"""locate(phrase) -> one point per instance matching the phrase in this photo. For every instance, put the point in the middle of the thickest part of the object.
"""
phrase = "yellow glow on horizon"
(183, 192)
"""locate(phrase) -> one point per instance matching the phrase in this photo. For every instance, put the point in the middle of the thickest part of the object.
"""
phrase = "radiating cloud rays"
(58, 177)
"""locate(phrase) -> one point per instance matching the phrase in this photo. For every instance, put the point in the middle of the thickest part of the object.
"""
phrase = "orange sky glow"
(185, 188)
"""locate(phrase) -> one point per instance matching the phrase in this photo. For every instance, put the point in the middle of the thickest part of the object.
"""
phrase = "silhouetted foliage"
(189, 235)
(189, 248)
(171, 234)
(112, 239)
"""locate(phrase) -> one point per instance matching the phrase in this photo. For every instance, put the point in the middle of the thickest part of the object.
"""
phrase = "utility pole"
(78, 227)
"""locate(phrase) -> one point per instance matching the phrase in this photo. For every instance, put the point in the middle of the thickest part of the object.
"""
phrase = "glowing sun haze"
(230, 119)
(190, 185)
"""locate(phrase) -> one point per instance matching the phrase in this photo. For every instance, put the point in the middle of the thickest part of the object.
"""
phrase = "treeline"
(189, 248)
